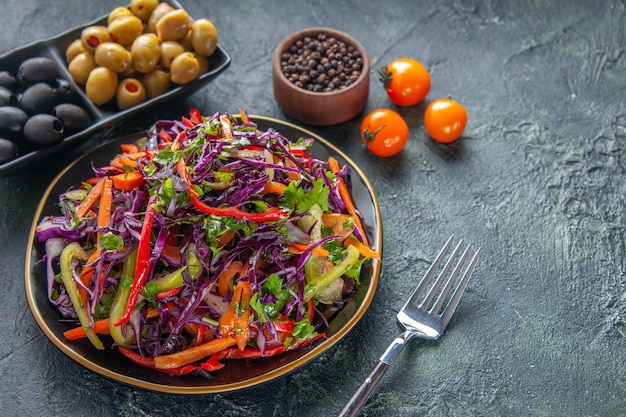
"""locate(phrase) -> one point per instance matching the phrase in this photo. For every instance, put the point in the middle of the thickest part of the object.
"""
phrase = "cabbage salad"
(214, 241)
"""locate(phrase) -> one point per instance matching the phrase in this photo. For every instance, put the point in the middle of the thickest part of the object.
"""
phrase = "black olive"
(38, 69)
(73, 117)
(7, 97)
(39, 98)
(43, 130)
(66, 90)
(8, 150)
(12, 121)
(7, 80)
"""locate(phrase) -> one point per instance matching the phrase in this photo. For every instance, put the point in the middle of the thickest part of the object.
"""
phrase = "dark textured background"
(538, 180)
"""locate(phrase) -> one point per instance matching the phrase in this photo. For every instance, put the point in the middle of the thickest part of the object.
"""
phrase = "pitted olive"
(73, 117)
(145, 52)
(125, 29)
(43, 130)
(173, 25)
(7, 80)
(113, 56)
(118, 12)
(7, 97)
(8, 150)
(101, 85)
(81, 66)
(92, 36)
(143, 8)
(185, 68)
(73, 49)
(12, 121)
(156, 82)
(203, 37)
(169, 51)
(39, 98)
(158, 12)
(66, 90)
(130, 92)
(37, 69)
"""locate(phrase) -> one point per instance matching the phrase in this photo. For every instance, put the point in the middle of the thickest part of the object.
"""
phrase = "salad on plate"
(212, 241)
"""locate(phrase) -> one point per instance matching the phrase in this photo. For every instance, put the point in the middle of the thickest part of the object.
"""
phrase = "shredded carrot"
(274, 187)
(226, 277)
(104, 217)
(90, 199)
(364, 250)
(347, 198)
(122, 161)
(129, 148)
(99, 327)
(104, 211)
(298, 248)
(128, 180)
(192, 354)
(243, 115)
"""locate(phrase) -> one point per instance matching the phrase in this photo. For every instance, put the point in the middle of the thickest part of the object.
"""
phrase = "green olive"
(92, 36)
(159, 11)
(173, 25)
(118, 12)
(169, 51)
(101, 85)
(185, 68)
(145, 52)
(143, 8)
(130, 72)
(125, 29)
(156, 82)
(73, 49)
(203, 37)
(113, 56)
(202, 61)
(186, 41)
(129, 93)
(81, 66)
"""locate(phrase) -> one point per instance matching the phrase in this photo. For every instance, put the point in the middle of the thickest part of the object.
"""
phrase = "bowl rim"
(350, 40)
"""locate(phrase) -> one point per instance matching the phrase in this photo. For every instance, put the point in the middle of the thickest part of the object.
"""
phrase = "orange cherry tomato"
(385, 132)
(445, 120)
(406, 81)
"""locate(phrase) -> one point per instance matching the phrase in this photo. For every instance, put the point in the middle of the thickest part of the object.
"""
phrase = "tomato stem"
(385, 76)
(369, 135)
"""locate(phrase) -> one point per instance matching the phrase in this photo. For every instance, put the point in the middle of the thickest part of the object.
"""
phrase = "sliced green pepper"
(316, 284)
(121, 300)
(75, 251)
(175, 279)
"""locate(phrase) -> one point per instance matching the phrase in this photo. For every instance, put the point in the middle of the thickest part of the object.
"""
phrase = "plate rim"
(281, 370)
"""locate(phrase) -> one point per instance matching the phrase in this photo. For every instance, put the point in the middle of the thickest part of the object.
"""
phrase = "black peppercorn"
(321, 63)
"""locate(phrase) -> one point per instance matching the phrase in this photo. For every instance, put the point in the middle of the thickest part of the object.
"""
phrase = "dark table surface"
(538, 180)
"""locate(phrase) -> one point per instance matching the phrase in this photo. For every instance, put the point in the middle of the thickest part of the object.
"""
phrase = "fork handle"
(353, 407)
(362, 393)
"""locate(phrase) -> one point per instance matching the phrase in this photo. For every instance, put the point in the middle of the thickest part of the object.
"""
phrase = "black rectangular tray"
(102, 117)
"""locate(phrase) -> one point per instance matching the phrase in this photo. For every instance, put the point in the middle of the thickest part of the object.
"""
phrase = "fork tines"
(434, 295)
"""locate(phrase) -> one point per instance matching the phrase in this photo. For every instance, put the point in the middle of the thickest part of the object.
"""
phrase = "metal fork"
(425, 314)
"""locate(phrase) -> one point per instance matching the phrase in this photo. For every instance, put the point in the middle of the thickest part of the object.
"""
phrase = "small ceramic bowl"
(325, 107)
